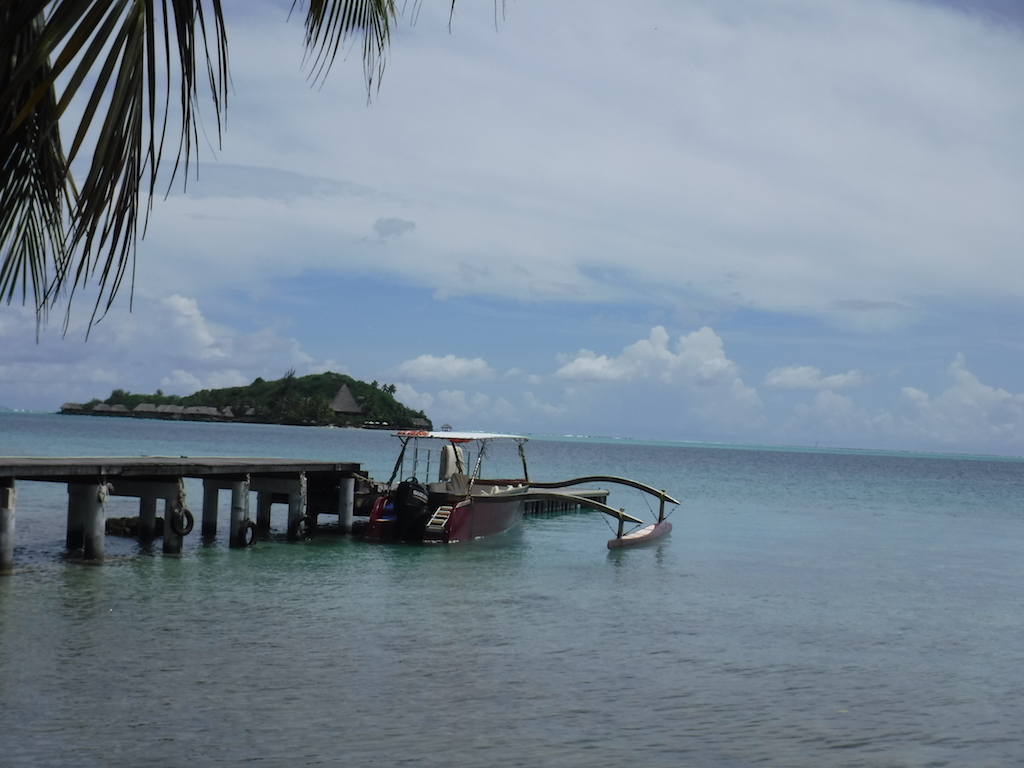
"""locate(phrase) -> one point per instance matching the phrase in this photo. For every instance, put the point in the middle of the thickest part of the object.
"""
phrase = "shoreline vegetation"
(319, 399)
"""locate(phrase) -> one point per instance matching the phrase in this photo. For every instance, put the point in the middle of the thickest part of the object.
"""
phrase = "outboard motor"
(411, 510)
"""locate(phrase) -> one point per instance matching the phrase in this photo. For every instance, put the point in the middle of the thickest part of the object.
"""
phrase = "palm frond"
(329, 23)
(121, 59)
(33, 195)
(127, 55)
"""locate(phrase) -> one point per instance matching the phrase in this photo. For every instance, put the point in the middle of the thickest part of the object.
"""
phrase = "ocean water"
(810, 608)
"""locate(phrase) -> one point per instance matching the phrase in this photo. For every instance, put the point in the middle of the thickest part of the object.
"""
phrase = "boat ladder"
(439, 518)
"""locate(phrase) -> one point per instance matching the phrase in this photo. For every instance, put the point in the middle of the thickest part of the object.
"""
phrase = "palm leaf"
(329, 23)
(33, 195)
(123, 58)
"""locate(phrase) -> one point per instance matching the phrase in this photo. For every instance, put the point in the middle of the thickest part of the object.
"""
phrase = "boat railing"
(425, 460)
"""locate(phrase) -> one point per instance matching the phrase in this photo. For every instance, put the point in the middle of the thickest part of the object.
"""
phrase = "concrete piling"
(346, 504)
(172, 540)
(76, 518)
(296, 505)
(147, 518)
(92, 500)
(149, 492)
(175, 519)
(239, 513)
(264, 500)
(8, 503)
(210, 500)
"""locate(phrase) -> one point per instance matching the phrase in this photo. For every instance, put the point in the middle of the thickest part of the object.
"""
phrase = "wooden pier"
(309, 488)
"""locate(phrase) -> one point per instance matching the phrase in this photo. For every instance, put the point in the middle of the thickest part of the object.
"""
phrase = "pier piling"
(147, 518)
(239, 513)
(91, 500)
(346, 504)
(296, 505)
(264, 500)
(8, 502)
(210, 499)
(76, 518)
(172, 540)
(308, 487)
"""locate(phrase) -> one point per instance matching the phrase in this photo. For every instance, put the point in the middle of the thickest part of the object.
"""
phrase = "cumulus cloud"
(691, 384)
(167, 343)
(969, 412)
(534, 403)
(185, 382)
(447, 368)
(809, 377)
(967, 416)
(475, 410)
(457, 401)
(836, 419)
(408, 396)
(698, 358)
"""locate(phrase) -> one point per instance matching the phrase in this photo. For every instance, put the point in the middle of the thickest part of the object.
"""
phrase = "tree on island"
(56, 235)
(289, 400)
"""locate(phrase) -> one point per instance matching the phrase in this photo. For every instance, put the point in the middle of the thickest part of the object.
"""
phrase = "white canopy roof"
(457, 437)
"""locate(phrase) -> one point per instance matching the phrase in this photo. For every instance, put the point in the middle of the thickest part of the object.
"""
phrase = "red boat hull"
(470, 518)
(478, 517)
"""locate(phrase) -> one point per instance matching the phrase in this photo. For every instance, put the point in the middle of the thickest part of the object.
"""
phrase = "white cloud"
(472, 411)
(968, 416)
(852, 166)
(967, 413)
(194, 333)
(180, 381)
(447, 368)
(456, 401)
(166, 343)
(534, 403)
(835, 419)
(699, 358)
(692, 386)
(809, 377)
(780, 160)
(408, 396)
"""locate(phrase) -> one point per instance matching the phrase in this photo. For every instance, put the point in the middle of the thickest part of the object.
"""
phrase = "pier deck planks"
(72, 469)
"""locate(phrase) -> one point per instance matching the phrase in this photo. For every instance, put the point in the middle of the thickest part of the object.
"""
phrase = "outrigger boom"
(622, 539)
(583, 501)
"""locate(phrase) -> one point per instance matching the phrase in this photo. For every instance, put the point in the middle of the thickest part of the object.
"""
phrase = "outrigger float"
(462, 506)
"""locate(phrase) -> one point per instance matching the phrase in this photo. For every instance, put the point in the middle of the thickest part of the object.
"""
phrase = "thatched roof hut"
(344, 403)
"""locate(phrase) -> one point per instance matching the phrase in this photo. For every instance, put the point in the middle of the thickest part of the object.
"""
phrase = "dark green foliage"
(129, 400)
(289, 400)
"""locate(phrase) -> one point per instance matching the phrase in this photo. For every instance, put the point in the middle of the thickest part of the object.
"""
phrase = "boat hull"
(465, 519)
(478, 517)
(640, 536)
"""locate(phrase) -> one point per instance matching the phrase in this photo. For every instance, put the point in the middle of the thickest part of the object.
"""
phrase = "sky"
(772, 222)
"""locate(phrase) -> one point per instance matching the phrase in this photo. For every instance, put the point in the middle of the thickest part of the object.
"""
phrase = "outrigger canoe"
(462, 506)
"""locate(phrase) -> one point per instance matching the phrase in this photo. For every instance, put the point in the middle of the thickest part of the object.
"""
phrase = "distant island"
(320, 399)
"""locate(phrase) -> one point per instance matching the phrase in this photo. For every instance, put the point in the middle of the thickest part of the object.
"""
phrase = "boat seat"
(458, 485)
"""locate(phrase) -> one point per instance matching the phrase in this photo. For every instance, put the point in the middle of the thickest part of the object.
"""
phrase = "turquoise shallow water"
(809, 609)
